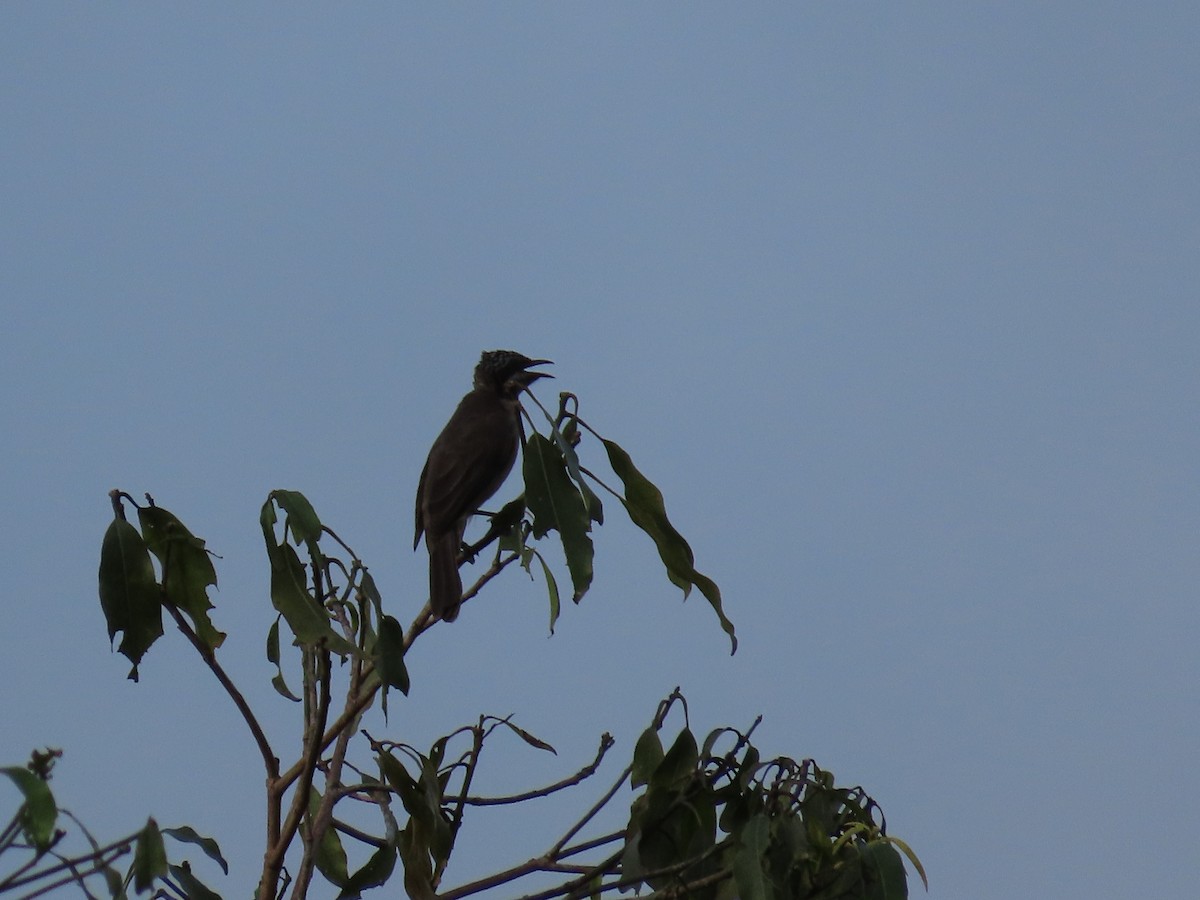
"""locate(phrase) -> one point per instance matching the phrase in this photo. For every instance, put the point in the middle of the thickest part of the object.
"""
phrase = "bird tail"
(445, 585)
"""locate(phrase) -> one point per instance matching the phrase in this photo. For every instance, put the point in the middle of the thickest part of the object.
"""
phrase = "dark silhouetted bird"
(467, 464)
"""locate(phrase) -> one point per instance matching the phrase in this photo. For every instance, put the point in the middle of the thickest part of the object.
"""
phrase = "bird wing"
(467, 464)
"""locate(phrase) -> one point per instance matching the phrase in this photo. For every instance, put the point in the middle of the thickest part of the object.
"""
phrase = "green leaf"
(371, 592)
(647, 756)
(149, 857)
(375, 872)
(389, 655)
(644, 503)
(187, 835)
(273, 657)
(187, 569)
(528, 738)
(551, 589)
(411, 794)
(302, 519)
(115, 883)
(750, 862)
(289, 593)
(557, 504)
(595, 508)
(680, 762)
(883, 872)
(418, 869)
(38, 811)
(193, 887)
(129, 593)
(330, 856)
(912, 858)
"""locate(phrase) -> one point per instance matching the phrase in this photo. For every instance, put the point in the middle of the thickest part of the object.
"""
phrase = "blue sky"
(896, 303)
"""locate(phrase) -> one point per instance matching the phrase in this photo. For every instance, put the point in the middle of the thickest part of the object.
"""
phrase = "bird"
(467, 464)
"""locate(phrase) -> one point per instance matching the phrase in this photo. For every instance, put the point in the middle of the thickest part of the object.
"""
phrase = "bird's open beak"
(525, 378)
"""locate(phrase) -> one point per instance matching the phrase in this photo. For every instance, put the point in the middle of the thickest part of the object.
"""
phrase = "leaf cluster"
(33, 841)
(720, 825)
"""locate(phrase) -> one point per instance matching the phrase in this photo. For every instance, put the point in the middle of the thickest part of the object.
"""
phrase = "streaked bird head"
(507, 371)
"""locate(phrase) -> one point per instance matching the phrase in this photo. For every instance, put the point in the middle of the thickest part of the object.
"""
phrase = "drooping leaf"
(115, 883)
(416, 838)
(528, 738)
(750, 862)
(551, 589)
(563, 439)
(389, 655)
(302, 519)
(187, 569)
(330, 855)
(680, 762)
(38, 810)
(289, 593)
(149, 857)
(129, 593)
(193, 887)
(883, 872)
(405, 785)
(912, 857)
(273, 657)
(187, 835)
(371, 592)
(441, 840)
(418, 869)
(644, 503)
(647, 756)
(375, 872)
(557, 504)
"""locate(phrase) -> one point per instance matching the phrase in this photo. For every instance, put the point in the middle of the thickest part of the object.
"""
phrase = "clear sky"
(898, 304)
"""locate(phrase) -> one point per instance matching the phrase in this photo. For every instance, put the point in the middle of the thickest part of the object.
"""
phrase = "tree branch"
(606, 743)
(210, 658)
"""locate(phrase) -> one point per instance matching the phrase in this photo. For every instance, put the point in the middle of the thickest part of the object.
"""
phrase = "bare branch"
(606, 743)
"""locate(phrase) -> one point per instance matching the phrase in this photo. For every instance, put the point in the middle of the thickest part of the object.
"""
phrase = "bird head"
(507, 371)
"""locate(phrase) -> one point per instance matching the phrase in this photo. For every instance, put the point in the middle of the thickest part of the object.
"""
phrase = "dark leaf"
(418, 869)
(187, 569)
(882, 872)
(441, 839)
(680, 762)
(750, 863)
(503, 524)
(595, 508)
(528, 738)
(410, 792)
(302, 519)
(273, 657)
(188, 835)
(557, 504)
(551, 589)
(644, 502)
(193, 888)
(375, 872)
(647, 756)
(115, 883)
(149, 857)
(331, 855)
(289, 593)
(371, 592)
(38, 810)
(389, 655)
(129, 593)
(912, 858)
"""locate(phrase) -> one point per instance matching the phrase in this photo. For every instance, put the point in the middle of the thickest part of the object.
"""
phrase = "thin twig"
(556, 850)
(210, 658)
(606, 743)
